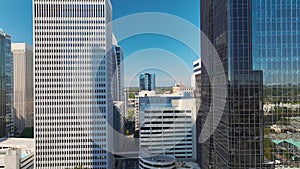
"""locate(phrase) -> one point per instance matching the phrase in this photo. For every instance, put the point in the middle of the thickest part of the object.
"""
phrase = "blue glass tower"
(6, 86)
(147, 81)
(276, 51)
(237, 141)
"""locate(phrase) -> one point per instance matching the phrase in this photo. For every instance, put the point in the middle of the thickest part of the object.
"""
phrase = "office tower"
(23, 85)
(118, 77)
(167, 127)
(276, 51)
(73, 75)
(147, 81)
(6, 86)
(237, 142)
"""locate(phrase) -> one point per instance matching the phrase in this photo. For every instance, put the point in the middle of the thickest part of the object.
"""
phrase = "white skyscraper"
(23, 85)
(73, 102)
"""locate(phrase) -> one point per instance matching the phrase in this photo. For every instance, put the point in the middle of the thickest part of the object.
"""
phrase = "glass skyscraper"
(6, 86)
(147, 81)
(118, 73)
(276, 51)
(237, 142)
(73, 75)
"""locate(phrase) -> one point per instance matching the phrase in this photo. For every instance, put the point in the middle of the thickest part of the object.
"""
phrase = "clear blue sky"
(16, 20)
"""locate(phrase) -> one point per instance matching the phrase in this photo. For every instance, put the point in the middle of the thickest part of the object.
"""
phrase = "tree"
(268, 149)
(27, 132)
(131, 96)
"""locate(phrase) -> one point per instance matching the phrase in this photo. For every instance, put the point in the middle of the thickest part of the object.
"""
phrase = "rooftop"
(186, 165)
(290, 141)
(26, 145)
(160, 159)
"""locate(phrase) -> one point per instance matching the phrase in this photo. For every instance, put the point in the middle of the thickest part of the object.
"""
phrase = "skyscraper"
(23, 85)
(118, 76)
(6, 86)
(276, 51)
(73, 76)
(237, 142)
(147, 81)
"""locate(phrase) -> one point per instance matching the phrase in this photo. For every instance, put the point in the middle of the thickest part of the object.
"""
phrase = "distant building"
(118, 72)
(6, 86)
(147, 82)
(17, 153)
(169, 128)
(197, 72)
(181, 88)
(23, 85)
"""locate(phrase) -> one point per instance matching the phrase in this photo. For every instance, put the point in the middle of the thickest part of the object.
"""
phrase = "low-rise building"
(182, 89)
(161, 161)
(146, 98)
(169, 129)
(17, 153)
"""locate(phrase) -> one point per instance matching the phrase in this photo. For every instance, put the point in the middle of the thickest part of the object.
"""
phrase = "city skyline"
(133, 46)
(146, 84)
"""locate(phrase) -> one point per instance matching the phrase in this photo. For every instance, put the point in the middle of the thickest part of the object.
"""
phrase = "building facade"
(147, 82)
(139, 99)
(23, 85)
(73, 76)
(162, 162)
(6, 86)
(238, 139)
(276, 51)
(197, 86)
(168, 129)
(196, 72)
(181, 88)
(118, 77)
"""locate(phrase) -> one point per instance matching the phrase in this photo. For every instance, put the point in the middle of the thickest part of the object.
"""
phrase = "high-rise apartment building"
(276, 51)
(73, 76)
(6, 86)
(237, 142)
(23, 85)
(147, 82)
